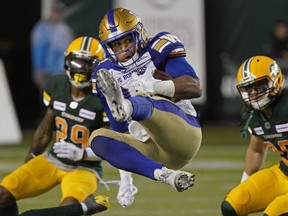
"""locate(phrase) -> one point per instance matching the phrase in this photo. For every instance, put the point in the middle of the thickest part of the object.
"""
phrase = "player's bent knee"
(227, 209)
(98, 132)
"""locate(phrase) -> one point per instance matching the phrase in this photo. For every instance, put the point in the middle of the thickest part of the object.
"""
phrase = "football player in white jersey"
(163, 135)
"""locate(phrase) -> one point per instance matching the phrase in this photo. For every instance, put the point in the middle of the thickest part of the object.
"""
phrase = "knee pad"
(227, 209)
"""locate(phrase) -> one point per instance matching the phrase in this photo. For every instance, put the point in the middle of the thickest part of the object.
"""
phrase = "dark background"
(235, 30)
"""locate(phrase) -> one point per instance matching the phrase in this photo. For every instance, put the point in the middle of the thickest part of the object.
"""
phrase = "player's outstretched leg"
(177, 179)
(93, 204)
(121, 108)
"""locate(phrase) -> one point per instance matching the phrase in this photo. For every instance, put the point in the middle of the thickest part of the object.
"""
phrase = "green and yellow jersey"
(274, 131)
(75, 120)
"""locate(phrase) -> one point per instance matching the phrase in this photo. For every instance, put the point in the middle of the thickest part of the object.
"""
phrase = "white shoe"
(121, 108)
(177, 179)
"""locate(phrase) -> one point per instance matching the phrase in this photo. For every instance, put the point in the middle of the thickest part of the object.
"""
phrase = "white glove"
(68, 150)
(126, 189)
(145, 83)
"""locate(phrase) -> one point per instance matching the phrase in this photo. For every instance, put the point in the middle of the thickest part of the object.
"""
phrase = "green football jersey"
(74, 120)
(274, 131)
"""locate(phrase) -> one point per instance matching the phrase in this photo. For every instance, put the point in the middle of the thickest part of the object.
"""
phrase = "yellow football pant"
(38, 176)
(266, 190)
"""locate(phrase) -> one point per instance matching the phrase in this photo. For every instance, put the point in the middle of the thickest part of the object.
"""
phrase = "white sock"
(84, 208)
(158, 172)
(128, 109)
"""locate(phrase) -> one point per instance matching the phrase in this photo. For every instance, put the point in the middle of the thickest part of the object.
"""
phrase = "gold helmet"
(118, 23)
(259, 81)
(81, 57)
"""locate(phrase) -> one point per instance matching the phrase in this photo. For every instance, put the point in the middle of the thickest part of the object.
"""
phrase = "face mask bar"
(138, 43)
(256, 93)
(79, 69)
(80, 65)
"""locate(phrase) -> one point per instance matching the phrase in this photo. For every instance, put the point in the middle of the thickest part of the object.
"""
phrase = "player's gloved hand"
(127, 190)
(145, 83)
(68, 150)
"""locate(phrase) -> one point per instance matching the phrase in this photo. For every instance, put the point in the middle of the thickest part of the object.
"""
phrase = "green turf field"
(218, 167)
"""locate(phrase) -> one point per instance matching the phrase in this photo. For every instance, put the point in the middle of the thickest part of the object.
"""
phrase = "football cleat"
(177, 179)
(121, 108)
(96, 203)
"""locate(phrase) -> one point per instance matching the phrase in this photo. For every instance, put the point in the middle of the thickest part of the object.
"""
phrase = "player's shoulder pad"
(108, 65)
(55, 84)
(166, 42)
(56, 81)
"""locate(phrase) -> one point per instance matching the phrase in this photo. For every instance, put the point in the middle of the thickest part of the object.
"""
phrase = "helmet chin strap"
(79, 85)
(130, 61)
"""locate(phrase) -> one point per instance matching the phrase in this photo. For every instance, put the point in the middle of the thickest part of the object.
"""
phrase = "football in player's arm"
(163, 136)
(72, 114)
(260, 84)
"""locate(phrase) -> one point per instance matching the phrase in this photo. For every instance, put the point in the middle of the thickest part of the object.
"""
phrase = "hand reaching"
(145, 83)
(68, 150)
(127, 190)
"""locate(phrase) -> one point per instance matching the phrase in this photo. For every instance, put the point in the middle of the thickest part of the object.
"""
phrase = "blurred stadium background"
(224, 32)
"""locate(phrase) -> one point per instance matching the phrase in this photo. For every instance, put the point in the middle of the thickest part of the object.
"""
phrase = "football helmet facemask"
(119, 23)
(259, 81)
(81, 57)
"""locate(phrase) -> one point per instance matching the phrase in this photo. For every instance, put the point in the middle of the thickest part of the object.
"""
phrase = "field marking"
(194, 164)
(215, 164)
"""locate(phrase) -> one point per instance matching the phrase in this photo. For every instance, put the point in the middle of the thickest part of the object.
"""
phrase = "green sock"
(69, 210)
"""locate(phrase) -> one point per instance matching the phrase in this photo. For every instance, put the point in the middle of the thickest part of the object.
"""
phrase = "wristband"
(244, 177)
(165, 88)
(123, 172)
(126, 177)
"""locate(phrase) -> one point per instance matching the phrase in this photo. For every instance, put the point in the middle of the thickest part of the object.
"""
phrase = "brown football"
(162, 75)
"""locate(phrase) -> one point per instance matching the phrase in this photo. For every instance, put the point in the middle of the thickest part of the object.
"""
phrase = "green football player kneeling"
(72, 113)
(260, 84)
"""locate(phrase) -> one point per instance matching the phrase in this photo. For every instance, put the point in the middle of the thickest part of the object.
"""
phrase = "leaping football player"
(164, 136)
